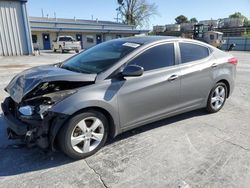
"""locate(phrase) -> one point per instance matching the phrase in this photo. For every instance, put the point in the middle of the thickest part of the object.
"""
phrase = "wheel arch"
(113, 129)
(227, 84)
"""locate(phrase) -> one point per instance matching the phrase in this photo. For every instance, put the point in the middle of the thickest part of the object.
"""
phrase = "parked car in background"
(114, 87)
(66, 44)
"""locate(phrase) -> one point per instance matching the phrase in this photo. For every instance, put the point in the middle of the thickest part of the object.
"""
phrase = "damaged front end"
(29, 109)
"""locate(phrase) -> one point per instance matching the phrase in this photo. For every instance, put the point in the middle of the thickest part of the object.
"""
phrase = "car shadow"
(18, 160)
(158, 124)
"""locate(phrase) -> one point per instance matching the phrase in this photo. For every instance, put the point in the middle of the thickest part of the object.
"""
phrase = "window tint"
(157, 57)
(192, 52)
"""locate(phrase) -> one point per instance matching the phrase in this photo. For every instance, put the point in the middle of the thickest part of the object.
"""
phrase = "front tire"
(83, 135)
(217, 98)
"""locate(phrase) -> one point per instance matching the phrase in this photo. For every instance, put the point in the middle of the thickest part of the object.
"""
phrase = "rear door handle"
(173, 77)
(214, 65)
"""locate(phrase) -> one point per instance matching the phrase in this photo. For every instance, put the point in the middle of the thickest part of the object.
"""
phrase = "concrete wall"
(242, 43)
(15, 38)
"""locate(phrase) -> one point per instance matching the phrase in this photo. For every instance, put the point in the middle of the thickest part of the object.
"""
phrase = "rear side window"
(157, 57)
(192, 52)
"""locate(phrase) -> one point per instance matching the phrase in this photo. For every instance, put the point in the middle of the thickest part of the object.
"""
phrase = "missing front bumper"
(33, 132)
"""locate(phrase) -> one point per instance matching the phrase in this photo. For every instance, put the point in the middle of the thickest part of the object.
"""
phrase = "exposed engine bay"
(32, 94)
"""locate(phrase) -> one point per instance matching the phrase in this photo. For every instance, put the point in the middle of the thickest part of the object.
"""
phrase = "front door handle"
(214, 65)
(173, 77)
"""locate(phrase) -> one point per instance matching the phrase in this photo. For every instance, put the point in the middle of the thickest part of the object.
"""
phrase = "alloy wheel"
(218, 97)
(87, 135)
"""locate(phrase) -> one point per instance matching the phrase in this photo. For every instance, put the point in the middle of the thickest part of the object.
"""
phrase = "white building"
(89, 32)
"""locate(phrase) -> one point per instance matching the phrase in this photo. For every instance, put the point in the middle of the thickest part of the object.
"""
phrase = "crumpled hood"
(29, 79)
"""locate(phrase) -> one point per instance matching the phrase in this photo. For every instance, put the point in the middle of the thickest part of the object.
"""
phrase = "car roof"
(146, 39)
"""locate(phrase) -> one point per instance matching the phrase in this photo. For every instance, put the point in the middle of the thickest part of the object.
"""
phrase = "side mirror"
(132, 71)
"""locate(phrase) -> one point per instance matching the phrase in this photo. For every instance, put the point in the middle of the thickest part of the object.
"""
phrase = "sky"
(168, 10)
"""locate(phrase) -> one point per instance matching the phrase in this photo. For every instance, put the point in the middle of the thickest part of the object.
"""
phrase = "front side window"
(192, 52)
(100, 57)
(157, 57)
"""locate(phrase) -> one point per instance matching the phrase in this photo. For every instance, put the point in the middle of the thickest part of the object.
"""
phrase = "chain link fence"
(242, 43)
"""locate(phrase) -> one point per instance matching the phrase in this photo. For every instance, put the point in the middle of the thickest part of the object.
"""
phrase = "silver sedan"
(114, 87)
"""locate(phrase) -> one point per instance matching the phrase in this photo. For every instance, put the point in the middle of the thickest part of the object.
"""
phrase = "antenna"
(42, 13)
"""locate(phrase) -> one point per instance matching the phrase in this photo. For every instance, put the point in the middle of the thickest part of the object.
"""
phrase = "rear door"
(196, 63)
(156, 92)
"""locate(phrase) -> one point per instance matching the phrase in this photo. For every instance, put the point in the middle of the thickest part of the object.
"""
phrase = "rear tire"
(83, 135)
(217, 98)
(77, 51)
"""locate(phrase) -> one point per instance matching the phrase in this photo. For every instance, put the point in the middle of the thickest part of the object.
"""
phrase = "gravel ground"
(190, 150)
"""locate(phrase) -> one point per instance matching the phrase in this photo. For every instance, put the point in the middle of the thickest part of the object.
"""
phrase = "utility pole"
(118, 10)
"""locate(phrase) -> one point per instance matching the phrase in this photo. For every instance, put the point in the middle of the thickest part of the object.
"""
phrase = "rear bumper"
(71, 48)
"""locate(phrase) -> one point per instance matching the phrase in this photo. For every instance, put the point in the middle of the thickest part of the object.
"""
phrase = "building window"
(90, 39)
(34, 38)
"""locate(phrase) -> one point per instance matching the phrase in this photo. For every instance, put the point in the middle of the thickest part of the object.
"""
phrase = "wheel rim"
(87, 135)
(218, 97)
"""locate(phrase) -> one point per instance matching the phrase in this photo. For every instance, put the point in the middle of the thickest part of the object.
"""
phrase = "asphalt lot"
(190, 150)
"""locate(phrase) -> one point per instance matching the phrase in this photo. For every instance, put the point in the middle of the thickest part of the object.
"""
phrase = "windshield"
(100, 57)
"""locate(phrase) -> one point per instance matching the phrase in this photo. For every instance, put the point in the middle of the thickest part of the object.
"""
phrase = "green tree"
(136, 12)
(239, 15)
(181, 19)
(193, 20)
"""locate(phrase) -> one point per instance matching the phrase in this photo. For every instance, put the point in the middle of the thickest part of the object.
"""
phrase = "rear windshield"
(66, 39)
(100, 57)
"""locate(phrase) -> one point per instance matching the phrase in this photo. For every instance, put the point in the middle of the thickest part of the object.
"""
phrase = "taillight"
(233, 61)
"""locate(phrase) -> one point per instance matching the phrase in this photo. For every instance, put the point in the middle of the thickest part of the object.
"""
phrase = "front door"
(98, 39)
(79, 38)
(156, 93)
(46, 42)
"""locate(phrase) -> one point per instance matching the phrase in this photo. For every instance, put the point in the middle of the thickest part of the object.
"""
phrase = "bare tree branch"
(137, 12)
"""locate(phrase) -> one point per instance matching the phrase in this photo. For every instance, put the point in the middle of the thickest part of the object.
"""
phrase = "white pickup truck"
(66, 44)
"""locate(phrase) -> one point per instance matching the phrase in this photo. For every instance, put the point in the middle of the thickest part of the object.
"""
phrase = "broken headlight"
(53, 99)
(41, 104)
